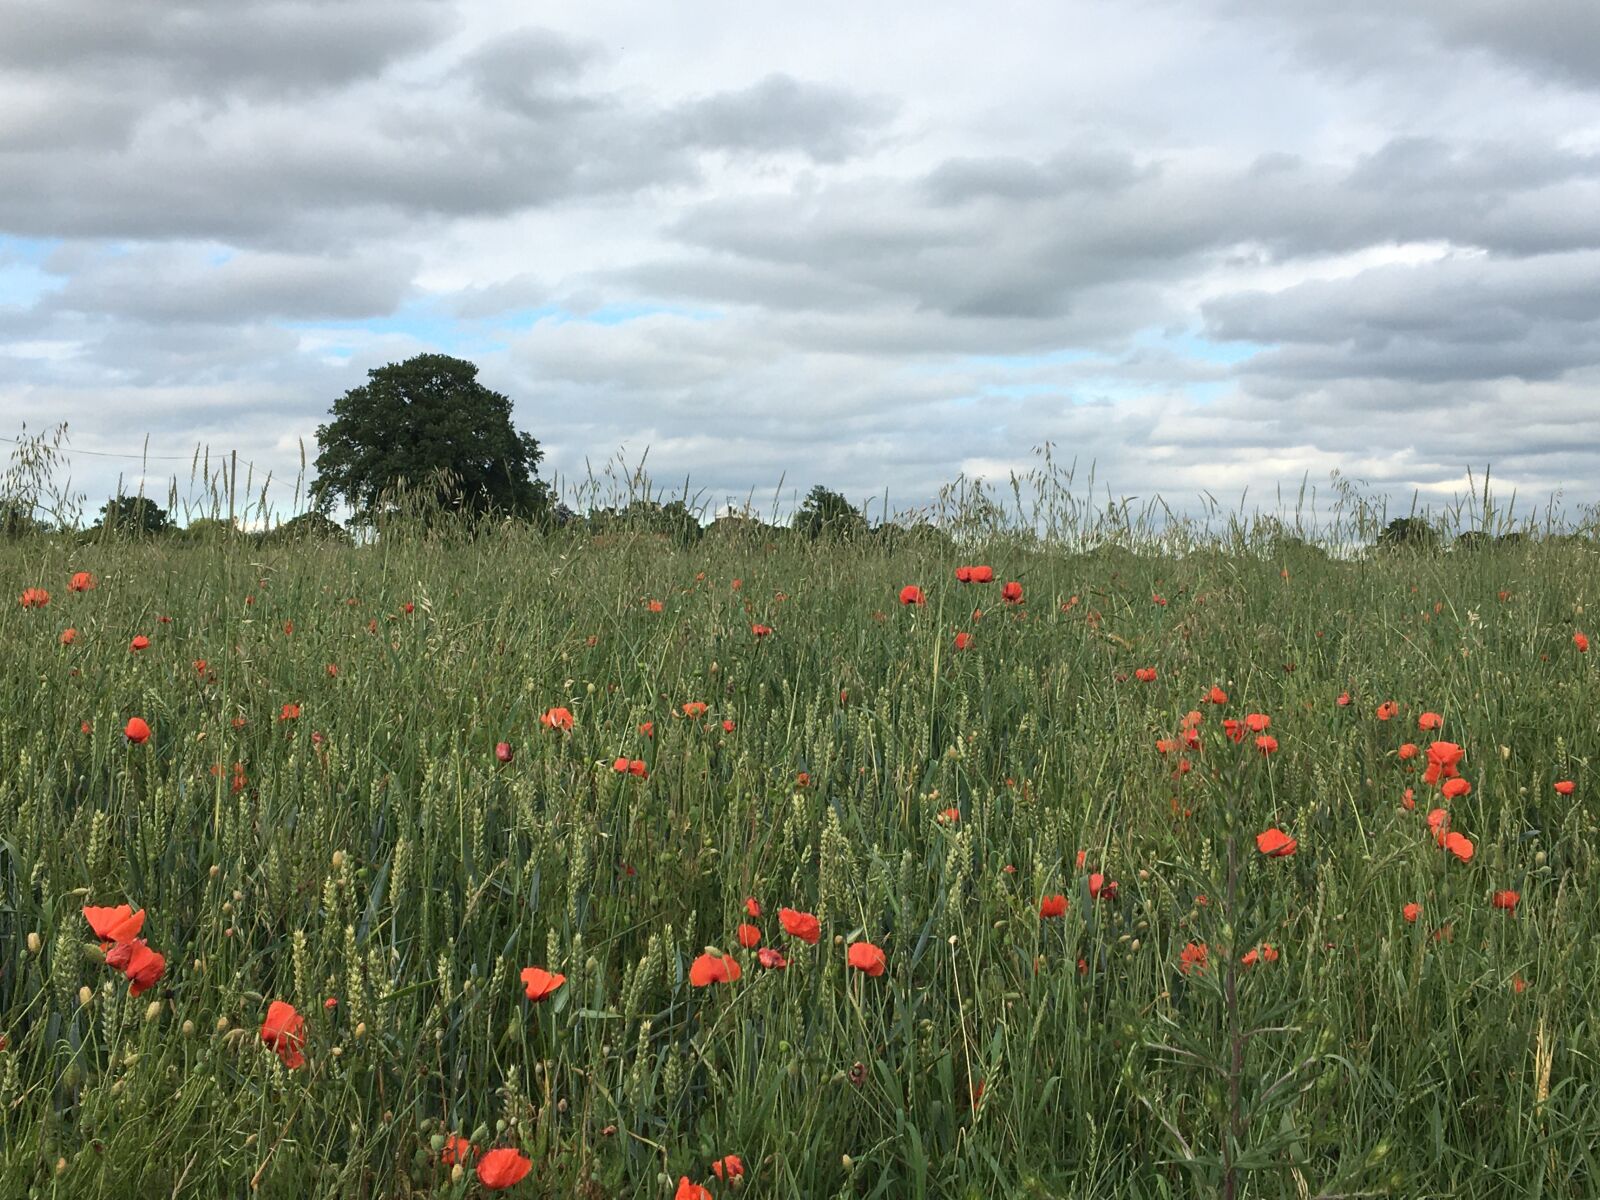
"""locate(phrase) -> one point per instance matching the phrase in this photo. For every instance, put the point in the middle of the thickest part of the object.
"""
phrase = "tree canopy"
(428, 427)
(134, 516)
(828, 514)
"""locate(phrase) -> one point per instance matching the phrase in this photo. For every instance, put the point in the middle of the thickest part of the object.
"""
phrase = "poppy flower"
(728, 1167)
(1011, 593)
(713, 968)
(1408, 750)
(802, 779)
(457, 1149)
(540, 984)
(867, 958)
(751, 907)
(1444, 759)
(1455, 787)
(1275, 843)
(1053, 906)
(982, 574)
(911, 594)
(1257, 722)
(1216, 695)
(802, 925)
(503, 752)
(1506, 900)
(694, 708)
(1145, 674)
(688, 1190)
(1564, 787)
(1234, 730)
(1411, 912)
(1439, 821)
(749, 936)
(963, 574)
(136, 731)
(1267, 744)
(728, 726)
(1193, 957)
(1101, 888)
(35, 597)
(1579, 640)
(139, 643)
(1344, 700)
(1166, 746)
(950, 816)
(1158, 598)
(119, 924)
(1266, 952)
(963, 640)
(1387, 709)
(620, 766)
(408, 608)
(503, 1168)
(1408, 799)
(68, 636)
(638, 769)
(771, 959)
(654, 606)
(557, 718)
(82, 581)
(1460, 845)
(142, 965)
(648, 728)
(289, 712)
(1429, 720)
(284, 1031)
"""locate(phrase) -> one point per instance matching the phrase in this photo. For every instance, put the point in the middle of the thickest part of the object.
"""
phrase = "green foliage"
(673, 520)
(375, 851)
(133, 516)
(826, 514)
(1409, 533)
(307, 527)
(427, 431)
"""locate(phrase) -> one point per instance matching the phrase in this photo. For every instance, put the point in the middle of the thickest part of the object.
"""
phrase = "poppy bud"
(503, 751)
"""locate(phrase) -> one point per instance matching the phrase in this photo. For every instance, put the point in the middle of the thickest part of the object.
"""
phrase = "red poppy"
(1193, 957)
(284, 1031)
(654, 606)
(1408, 750)
(503, 1168)
(139, 643)
(541, 984)
(1145, 674)
(728, 726)
(1565, 787)
(728, 1167)
(1166, 746)
(761, 631)
(408, 608)
(638, 769)
(751, 908)
(771, 959)
(1053, 906)
(1158, 598)
(648, 728)
(1257, 722)
(142, 965)
(82, 581)
(1234, 730)
(1408, 799)
(35, 597)
(1344, 700)
(867, 958)
(963, 574)
(457, 1149)
(1011, 593)
(1267, 744)
(1101, 888)
(1387, 710)
(802, 779)
(950, 816)
(1460, 845)
(963, 640)
(1411, 912)
(694, 708)
(1579, 640)
(911, 594)
(289, 712)
(713, 968)
(1444, 759)
(982, 574)
(68, 636)
(688, 1190)
(503, 752)
(1275, 843)
(749, 936)
(557, 718)
(800, 925)
(1506, 899)
(1216, 695)
(136, 730)
(1429, 720)
(119, 924)
(1454, 788)
(1266, 952)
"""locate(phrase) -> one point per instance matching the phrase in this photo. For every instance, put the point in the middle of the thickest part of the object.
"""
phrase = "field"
(1102, 972)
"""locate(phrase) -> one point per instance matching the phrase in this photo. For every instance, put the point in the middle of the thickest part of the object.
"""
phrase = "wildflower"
(694, 708)
(728, 1167)
(1101, 888)
(802, 779)
(801, 925)
(284, 1031)
(867, 958)
(35, 597)
(136, 731)
(142, 965)
(911, 594)
(654, 606)
(82, 581)
(503, 1168)
(1408, 799)
(457, 1149)
(1408, 750)
(1506, 900)
(331, 1003)
(1216, 695)
(1257, 722)
(1234, 730)
(761, 631)
(751, 907)
(1158, 598)
(713, 968)
(728, 726)
(503, 752)
(1455, 787)
(140, 642)
(119, 924)
(1429, 720)
(749, 936)
(1460, 845)
(963, 574)
(1411, 912)
(557, 718)
(1344, 700)
(1193, 957)
(1266, 952)
(1267, 744)
(1053, 906)
(1578, 639)
(1011, 593)
(1166, 746)
(689, 1190)
(1145, 674)
(408, 608)
(1275, 843)
(963, 640)
(289, 712)
(1387, 709)
(540, 984)
(1564, 787)
(1443, 761)
(68, 636)
(982, 574)
(950, 816)
(1439, 821)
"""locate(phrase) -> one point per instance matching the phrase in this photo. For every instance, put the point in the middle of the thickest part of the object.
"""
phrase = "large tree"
(428, 426)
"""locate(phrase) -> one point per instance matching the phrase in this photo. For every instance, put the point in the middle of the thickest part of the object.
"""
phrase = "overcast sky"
(1203, 244)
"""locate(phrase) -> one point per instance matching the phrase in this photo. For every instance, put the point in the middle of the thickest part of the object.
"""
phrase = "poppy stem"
(1230, 996)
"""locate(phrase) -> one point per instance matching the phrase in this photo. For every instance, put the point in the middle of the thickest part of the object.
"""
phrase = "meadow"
(1246, 871)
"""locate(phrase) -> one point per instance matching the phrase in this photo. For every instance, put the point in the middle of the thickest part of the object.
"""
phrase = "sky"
(1208, 247)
